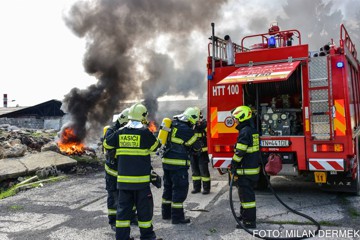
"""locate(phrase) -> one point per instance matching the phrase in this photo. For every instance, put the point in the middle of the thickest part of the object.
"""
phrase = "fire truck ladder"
(319, 92)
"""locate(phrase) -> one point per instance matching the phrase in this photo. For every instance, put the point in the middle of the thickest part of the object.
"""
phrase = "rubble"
(16, 142)
(35, 153)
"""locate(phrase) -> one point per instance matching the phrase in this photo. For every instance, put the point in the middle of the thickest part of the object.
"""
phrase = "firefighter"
(111, 172)
(133, 144)
(200, 160)
(246, 163)
(176, 162)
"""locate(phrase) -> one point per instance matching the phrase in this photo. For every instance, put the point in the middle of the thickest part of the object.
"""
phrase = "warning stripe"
(336, 166)
(326, 164)
(213, 122)
(317, 165)
(339, 121)
(218, 163)
(222, 162)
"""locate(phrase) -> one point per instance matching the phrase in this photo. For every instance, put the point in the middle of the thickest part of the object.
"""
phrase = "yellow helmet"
(200, 113)
(138, 112)
(242, 113)
(192, 114)
(123, 117)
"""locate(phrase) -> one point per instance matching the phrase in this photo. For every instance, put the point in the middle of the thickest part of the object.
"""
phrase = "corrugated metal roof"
(49, 108)
(5, 110)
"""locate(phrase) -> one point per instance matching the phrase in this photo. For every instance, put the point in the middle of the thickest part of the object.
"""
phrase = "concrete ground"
(75, 208)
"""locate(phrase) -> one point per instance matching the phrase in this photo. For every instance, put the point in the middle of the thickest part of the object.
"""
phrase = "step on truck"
(306, 103)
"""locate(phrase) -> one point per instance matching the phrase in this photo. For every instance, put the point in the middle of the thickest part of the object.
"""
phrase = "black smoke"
(120, 51)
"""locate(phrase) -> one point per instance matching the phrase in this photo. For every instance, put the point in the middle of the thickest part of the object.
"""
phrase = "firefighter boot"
(197, 186)
(206, 187)
(178, 217)
(240, 218)
(166, 211)
(249, 224)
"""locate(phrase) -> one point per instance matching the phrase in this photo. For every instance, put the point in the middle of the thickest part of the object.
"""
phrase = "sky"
(41, 58)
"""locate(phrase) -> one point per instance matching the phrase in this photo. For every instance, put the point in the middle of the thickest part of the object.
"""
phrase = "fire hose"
(278, 198)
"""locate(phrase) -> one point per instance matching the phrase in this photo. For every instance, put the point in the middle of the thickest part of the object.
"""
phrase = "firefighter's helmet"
(242, 113)
(192, 114)
(138, 112)
(123, 116)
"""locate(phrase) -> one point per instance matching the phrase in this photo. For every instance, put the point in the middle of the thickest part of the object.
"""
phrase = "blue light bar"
(271, 42)
(339, 64)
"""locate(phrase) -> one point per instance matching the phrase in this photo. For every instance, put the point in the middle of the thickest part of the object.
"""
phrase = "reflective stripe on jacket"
(247, 150)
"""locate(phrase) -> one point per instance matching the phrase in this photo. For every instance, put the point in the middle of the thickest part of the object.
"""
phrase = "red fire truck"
(306, 103)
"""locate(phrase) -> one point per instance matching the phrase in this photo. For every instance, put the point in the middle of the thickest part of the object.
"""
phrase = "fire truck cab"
(306, 103)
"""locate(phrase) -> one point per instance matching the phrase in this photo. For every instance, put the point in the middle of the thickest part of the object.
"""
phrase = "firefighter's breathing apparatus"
(233, 172)
(163, 136)
(165, 128)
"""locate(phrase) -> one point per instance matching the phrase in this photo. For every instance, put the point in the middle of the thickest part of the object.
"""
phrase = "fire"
(152, 127)
(69, 143)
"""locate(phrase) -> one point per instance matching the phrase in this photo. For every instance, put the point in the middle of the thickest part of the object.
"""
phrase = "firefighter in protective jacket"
(246, 163)
(176, 162)
(134, 143)
(111, 165)
(200, 160)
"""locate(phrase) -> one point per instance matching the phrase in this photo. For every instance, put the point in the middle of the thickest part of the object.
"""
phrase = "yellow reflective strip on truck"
(339, 120)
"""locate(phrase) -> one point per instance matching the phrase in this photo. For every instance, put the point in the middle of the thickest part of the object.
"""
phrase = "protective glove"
(155, 179)
(234, 165)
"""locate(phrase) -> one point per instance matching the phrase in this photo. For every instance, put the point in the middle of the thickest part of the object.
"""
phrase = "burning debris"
(69, 143)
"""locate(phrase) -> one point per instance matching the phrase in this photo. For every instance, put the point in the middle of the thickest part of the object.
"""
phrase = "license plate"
(274, 143)
(320, 177)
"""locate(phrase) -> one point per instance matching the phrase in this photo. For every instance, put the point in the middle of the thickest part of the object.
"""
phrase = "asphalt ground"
(75, 208)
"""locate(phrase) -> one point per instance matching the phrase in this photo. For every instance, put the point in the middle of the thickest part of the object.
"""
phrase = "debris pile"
(16, 142)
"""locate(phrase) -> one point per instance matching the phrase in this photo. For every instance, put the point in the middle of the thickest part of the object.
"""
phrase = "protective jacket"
(133, 144)
(110, 162)
(247, 150)
(201, 134)
(178, 147)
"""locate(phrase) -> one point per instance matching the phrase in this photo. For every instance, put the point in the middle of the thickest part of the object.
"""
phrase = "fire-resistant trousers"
(176, 186)
(143, 200)
(112, 198)
(111, 205)
(247, 198)
(200, 172)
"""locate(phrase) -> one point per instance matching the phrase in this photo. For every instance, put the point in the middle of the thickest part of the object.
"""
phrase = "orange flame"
(69, 143)
(152, 127)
